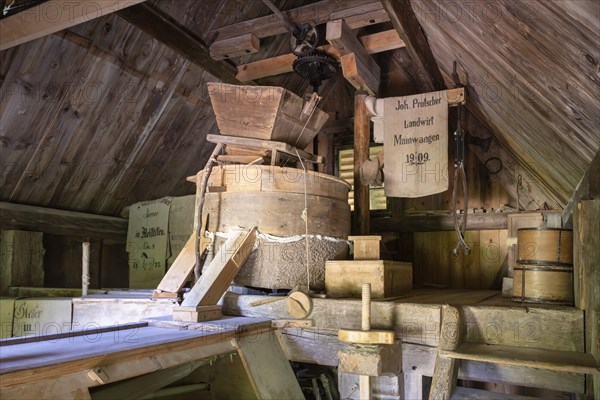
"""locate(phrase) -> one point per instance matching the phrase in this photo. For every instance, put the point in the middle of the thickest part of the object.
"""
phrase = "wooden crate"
(387, 278)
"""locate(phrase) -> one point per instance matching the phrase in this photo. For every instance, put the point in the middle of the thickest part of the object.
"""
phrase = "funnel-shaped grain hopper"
(265, 112)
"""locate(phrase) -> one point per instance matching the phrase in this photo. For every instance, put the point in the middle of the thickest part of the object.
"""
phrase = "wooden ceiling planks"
(534, 122)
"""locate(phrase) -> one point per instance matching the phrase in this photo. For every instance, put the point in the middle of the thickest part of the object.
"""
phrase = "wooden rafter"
(166, 30)
(405, 22)
(358, 66)
(244, 37)
(53, 16)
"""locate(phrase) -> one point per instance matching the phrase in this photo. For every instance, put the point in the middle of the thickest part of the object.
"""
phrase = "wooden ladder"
(451, 350)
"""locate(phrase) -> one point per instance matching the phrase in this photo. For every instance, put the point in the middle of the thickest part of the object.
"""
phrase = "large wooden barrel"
(273, 199)
(543, 284)
(545, 246)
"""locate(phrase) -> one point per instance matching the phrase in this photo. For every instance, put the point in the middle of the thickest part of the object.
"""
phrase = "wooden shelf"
(566, 361)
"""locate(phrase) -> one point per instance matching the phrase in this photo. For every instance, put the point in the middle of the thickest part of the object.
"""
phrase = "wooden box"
(387, 278)
(197, 314)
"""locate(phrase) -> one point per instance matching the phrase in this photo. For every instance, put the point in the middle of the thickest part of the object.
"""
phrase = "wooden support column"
(362, 138)
(586, 246)
(446, 369)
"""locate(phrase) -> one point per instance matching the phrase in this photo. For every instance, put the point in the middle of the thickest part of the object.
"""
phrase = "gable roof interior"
(100, 116)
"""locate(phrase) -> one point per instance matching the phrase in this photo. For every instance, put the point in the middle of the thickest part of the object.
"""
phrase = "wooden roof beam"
(244, 37)
(61, 222)
(166, 30)
(374, 43)
(358, 66)
(405, 22)
(53, 16)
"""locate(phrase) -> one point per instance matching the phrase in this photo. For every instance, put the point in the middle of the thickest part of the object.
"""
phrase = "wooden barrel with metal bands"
(543, 284)
(545, 246)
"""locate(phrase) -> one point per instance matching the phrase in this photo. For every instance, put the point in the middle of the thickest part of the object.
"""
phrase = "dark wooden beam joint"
(405, 22)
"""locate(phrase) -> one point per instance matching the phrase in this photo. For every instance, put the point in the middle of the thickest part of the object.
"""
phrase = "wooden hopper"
(264, 112)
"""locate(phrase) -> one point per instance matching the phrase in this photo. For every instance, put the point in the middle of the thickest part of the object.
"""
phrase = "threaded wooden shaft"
(366, 307)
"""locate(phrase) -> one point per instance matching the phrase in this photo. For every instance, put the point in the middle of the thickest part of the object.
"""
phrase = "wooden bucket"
(545, 246)
(543, 284)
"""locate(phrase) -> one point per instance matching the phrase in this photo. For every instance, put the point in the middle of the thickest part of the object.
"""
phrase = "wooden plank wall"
(531, 72)
(435, 264)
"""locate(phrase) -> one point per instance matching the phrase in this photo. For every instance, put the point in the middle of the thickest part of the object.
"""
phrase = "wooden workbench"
(58, 367)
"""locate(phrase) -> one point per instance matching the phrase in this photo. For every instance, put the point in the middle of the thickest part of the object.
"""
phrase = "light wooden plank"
(267, 367)
(366, 337)
(382, 41)
(553, 360)
(179, 272)
(54, 16)
(217, 276)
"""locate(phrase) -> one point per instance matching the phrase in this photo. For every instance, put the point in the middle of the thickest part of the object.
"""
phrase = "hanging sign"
(416, 144)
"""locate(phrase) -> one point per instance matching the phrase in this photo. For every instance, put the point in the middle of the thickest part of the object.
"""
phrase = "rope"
(305, 218)
(200, 205)
(305, 211)
(459, 169)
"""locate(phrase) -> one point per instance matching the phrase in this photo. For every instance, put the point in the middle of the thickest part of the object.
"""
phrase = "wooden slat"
(61, 222)
(163, 28)
(217, 276)
(553, 360)
(270, 373)
(54, 16)
(264, 144)
(179, 272)
(405, 22)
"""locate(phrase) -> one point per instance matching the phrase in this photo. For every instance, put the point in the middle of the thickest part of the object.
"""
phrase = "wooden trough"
(265, 112)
